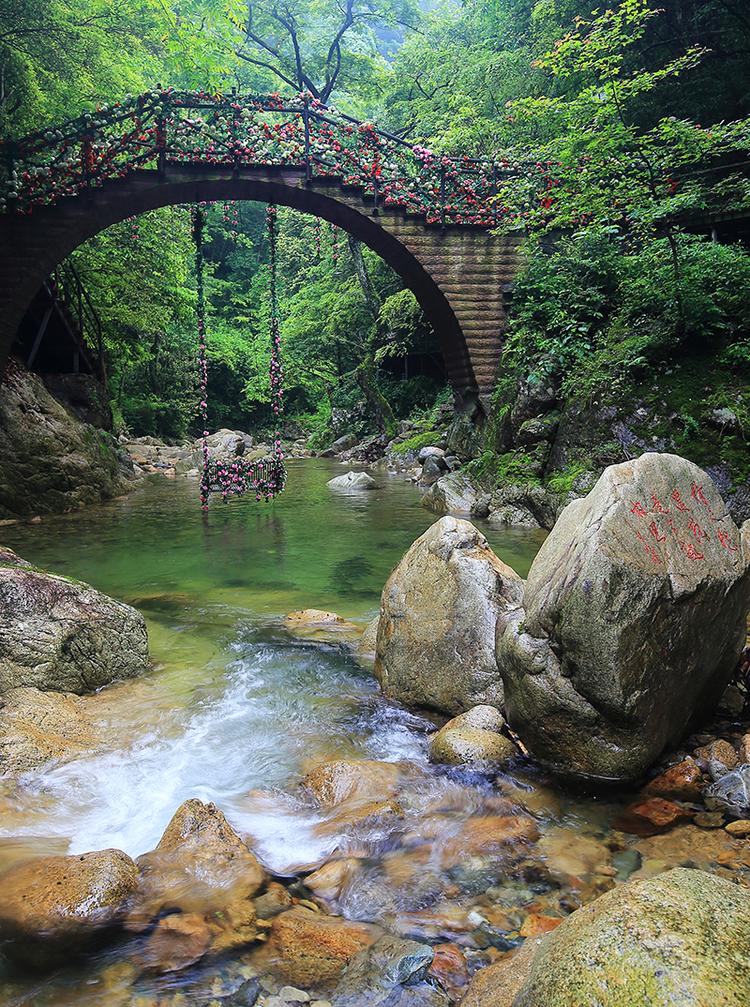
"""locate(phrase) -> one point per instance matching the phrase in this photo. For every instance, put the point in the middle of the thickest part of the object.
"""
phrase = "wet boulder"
(225, 444)
(435, 645)
(333, 783)
(473, 738)
(200, 865)
(355, 795)
(318, 624)
(352, 482)
(632, 621)
(54, 906)
(731, 792)
(680, 938)
(61, 635)
(312, 950)
(433, 469)
(391, 973)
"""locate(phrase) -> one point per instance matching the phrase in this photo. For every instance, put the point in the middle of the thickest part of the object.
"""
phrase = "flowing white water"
(274, 709)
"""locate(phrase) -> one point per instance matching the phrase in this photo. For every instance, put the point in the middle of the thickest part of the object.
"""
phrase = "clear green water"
(234, 703)
(310, 548)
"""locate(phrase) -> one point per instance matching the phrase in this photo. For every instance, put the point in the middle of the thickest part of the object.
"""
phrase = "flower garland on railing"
(265, 477)
(167, 127)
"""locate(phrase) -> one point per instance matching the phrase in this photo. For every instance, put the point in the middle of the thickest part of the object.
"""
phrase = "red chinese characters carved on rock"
(659, 535)
(689, 538)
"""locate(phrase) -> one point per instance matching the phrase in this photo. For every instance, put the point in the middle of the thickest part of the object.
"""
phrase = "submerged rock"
(177, 942)
(391, 973)
(54, 906)
(317, 624)
(731, 792)
(683, 781)
(37, 727)
(312, 950)
(181, 939)
(200, 865)
(471, 738)
(62, 635)
(632, 622)
(333, 783)
(352, 481)
(435, 644)
(681, 938)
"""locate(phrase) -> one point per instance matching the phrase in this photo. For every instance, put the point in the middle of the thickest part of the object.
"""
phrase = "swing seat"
(265, 477)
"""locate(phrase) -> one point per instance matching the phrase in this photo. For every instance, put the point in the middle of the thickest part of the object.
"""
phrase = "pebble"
(709, 819)
(739, 828)
(294, 996)
(286, 997)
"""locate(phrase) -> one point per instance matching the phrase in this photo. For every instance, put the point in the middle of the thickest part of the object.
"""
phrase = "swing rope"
(266, 477)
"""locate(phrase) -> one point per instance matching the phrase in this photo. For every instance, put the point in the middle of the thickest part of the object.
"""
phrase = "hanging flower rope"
(265, 477)
(334, 245)
(199, 220)
(317, 234)
(276, 373)
(231, 217)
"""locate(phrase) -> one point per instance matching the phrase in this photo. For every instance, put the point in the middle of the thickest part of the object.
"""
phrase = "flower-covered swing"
(265, 477)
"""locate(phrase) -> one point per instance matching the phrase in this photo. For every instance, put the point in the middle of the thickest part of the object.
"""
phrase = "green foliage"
(492, 469)
(417, 442)
(590, 313)
(619, 107)
(563, 481)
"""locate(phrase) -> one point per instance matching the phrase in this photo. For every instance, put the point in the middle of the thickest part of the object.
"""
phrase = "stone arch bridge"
(429, 217)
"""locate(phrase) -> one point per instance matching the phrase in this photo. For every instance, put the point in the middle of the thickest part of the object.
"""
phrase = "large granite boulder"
(61, 635)
(451, 494)
(55, 906)
(435, 644)
(682, 938)
(49, 460)
(632, 622)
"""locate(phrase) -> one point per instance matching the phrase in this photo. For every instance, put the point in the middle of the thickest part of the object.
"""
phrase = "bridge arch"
(428, 218)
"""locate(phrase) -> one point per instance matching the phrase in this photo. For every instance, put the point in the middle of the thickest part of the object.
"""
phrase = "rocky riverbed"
(459, 857)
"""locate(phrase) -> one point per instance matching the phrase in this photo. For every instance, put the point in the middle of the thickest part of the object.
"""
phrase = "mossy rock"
(413, 445)
(682, 938)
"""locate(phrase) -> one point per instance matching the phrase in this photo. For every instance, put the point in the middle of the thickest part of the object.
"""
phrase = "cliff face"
(693, 407)
(50, 461)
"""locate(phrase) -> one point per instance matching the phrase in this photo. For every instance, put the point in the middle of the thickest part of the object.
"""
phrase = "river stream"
(236, 711)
